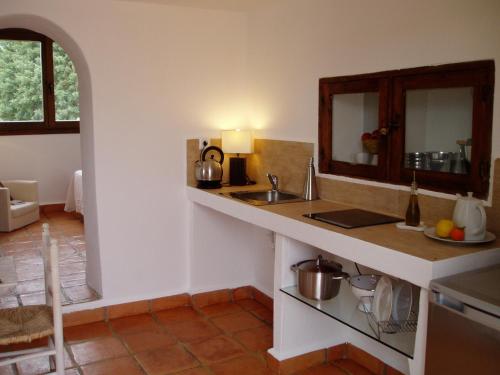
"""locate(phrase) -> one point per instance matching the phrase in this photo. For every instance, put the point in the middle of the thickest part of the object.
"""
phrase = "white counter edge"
(413, 269)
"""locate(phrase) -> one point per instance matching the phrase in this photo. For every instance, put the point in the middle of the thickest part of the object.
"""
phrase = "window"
(38, 85)
(434, 122)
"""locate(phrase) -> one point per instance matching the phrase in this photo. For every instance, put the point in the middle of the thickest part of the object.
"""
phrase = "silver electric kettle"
(208, 170)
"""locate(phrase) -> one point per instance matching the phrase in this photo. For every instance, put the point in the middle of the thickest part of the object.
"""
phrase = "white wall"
(228, 253)
(159, 74)
(293, 44)
(49, 159)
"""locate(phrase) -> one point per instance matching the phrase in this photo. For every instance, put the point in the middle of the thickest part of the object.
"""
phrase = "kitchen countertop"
(387, 235)
(421, 249)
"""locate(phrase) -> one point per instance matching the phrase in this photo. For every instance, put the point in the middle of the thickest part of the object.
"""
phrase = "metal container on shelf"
(459, 162)
(319, 279)
(415, 160)
(439, 161)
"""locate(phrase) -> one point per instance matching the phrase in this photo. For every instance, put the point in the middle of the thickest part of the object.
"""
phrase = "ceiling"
(234, 5)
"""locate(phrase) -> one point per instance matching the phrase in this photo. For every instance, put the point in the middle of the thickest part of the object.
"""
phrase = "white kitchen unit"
(300, 325)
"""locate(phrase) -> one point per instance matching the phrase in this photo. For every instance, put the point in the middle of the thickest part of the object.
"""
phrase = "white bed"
(74, 194)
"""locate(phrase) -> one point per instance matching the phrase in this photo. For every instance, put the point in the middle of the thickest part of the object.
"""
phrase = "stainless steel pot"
(319, 279)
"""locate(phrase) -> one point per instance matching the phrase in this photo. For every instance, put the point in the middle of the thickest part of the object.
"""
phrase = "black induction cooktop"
(353, 218)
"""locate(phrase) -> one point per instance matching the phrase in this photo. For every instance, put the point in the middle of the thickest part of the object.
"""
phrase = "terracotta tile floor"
(219, 339)
(25, 244)
(181, 341)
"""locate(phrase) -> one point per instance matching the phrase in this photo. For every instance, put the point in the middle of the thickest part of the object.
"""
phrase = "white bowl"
(363, 287)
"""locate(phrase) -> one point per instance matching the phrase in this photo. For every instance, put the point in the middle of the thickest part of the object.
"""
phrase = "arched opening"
(59, 36)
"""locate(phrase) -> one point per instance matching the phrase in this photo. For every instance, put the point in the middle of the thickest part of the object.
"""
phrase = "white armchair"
(19, 215)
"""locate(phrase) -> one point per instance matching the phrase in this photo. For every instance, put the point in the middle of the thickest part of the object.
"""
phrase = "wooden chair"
(26, 323)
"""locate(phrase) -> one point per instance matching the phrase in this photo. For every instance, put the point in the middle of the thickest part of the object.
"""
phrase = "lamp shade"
(237, 141)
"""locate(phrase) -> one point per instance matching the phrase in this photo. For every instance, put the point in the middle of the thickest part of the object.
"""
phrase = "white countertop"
(404, 254)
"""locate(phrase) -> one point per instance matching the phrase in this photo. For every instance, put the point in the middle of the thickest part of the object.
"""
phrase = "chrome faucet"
(273, 179)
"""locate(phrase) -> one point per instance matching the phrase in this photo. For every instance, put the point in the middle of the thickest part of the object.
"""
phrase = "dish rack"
(391, 325)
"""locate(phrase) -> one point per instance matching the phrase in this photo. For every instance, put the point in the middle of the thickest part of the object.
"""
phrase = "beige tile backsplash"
(192, 154)
(288, 160)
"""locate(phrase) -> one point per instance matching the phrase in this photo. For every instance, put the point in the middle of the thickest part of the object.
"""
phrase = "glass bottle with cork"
(413, 210)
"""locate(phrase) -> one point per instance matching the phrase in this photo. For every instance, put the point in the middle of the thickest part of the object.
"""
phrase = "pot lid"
(320, 265)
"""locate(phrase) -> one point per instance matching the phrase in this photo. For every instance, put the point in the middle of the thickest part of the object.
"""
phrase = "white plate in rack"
(382, 300)
(402, 301)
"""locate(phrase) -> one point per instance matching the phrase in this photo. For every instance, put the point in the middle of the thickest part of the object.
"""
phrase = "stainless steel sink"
(260, 198)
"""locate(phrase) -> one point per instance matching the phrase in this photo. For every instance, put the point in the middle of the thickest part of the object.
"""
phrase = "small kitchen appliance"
(469, 214)
(208, 170)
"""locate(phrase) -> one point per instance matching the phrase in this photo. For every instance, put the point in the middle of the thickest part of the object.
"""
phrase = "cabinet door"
(441, 129)
(348, 110)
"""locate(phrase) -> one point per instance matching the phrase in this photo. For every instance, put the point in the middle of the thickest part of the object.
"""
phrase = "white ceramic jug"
(469, 214)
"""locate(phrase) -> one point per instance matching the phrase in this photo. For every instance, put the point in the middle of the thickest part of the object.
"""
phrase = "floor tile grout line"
(90, 339)
(179, 342)
(67, 348)
(120, 338)
(231, 335)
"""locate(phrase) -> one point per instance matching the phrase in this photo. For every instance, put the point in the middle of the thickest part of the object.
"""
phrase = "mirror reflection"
(439, 129)
(355, 128)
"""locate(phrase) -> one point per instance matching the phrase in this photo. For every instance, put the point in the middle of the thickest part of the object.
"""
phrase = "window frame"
(334, 86)
(480, 75)
(49, 125)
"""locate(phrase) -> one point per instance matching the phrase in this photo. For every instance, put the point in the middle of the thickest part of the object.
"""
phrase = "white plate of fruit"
(446, 231)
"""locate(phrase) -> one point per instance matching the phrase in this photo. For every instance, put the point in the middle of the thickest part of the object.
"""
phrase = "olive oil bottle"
(413, 211)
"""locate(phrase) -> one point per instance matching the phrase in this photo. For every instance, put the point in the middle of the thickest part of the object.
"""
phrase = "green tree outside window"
(24, 99)
(21, 96)
(66, 86)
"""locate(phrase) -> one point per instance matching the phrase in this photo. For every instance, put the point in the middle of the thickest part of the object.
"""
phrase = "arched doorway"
(58, 35)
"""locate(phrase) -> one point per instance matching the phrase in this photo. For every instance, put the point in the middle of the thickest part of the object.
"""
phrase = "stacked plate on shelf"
(416, 160)
(430, 161)
(393, 300)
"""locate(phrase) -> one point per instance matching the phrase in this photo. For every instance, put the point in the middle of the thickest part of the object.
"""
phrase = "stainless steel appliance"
(310, 191)
(463, 334)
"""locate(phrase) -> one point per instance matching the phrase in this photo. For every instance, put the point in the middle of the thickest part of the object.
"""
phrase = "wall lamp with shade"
(237, 142)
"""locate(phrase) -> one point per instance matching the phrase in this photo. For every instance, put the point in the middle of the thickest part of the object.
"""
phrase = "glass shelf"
(344, 308)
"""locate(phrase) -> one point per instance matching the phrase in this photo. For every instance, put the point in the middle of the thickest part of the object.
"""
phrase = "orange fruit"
(444, 228)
